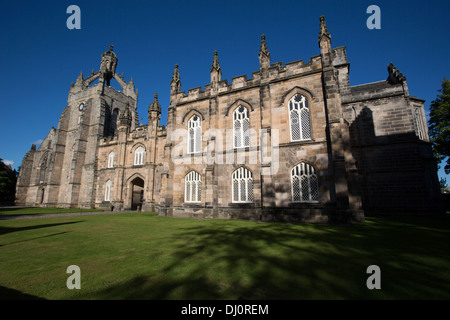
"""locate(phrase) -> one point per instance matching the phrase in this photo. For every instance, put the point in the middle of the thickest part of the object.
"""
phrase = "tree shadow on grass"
(161, 288)
(6, 230)
(46, 236)
(288, 261)
(11, 294)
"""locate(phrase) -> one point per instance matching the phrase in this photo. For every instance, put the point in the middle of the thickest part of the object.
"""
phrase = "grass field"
(142, 256)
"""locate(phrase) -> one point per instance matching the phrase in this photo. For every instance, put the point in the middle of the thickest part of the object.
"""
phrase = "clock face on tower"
(81, 107)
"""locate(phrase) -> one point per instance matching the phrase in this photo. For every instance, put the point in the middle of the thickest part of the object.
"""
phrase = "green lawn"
(23, 211)
(141, 256)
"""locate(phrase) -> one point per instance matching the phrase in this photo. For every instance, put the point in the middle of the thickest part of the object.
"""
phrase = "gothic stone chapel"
(295, 142)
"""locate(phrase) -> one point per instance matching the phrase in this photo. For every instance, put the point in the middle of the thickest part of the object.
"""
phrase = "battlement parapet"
(276, 72)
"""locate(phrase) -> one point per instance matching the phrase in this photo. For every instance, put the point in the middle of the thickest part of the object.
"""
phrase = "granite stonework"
(368, 144)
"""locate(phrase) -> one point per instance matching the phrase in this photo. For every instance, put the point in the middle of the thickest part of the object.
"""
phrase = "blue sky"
(40, 56)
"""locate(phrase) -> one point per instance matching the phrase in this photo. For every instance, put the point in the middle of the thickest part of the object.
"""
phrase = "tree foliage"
(439, 125)
(8, 179)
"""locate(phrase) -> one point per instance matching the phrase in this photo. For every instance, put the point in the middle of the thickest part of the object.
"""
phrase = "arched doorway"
(41, 200)
(137, 193)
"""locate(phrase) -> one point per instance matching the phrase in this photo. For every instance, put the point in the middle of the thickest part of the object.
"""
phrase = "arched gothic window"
(241, 127)
(193, 187)
(305, 187)
(108, 190)
(299, 118)
(242, 185)
(139, 156)
(111, 160)
(194, 134)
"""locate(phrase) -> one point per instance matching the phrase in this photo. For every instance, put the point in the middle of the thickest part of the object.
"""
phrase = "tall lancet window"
(113, 124)
(418, 121)
(108, 190)
(43, 170)
(139, 156)
(195, 134)
(111, 160)
(305, 187)
(193, 187)
(241, 127)
(242, 185)
(299, 119)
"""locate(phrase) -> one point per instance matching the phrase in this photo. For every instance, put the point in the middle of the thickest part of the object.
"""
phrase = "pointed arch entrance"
(136, 192)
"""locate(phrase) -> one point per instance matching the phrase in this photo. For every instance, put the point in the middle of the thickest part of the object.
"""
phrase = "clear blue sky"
(40, 56)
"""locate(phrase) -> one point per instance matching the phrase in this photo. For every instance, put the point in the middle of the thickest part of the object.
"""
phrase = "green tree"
(8, 179)
(439, 124)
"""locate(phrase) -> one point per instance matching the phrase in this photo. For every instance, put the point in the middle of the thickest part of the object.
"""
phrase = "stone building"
(295, 142)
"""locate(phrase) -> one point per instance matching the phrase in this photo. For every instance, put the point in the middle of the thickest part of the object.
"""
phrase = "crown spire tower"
(108, 65)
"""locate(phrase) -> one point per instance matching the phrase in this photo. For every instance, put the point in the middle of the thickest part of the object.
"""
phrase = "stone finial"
(216, 73)
(175, 84)
(129, 88)
(215, 65)
(33, 147)
(126, 113)
(176, 75)
(263, 49)
(125, 117)
(323, 29)
(264, 56)
(79, 81)
(155, 106)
